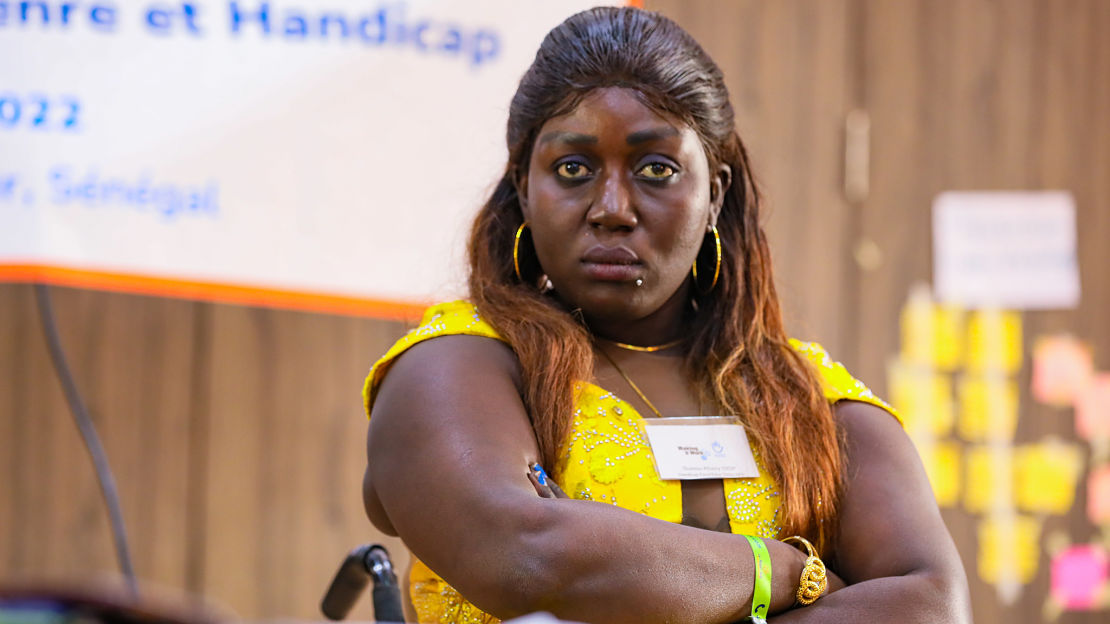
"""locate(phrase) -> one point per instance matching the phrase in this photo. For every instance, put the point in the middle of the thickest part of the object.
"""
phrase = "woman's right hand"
(544, 484)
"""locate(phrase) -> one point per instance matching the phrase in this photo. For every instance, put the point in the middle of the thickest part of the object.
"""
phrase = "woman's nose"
(612, 206)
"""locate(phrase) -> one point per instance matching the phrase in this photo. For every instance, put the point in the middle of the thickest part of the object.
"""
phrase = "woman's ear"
(719, 184)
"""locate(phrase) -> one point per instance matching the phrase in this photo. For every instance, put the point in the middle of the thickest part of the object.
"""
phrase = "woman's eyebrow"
(651, 134)
(572, 138)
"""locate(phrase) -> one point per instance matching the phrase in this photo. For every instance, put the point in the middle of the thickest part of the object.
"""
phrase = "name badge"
(700, 447)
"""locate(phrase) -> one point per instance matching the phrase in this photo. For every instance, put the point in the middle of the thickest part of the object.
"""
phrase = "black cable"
(88, 433)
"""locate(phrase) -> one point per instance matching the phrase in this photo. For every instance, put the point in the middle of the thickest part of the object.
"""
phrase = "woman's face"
(616, 193)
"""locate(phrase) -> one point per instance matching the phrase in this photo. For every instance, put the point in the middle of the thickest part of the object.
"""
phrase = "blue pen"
(541, 476)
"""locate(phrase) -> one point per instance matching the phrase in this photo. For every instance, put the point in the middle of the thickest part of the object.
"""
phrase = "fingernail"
(541, 476)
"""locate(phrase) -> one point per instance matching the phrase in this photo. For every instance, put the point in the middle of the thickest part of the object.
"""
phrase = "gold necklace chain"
(647, 349)
(635, 388)
(631, 383)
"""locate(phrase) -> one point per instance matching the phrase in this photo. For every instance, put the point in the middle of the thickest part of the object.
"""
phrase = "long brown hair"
(739, 354)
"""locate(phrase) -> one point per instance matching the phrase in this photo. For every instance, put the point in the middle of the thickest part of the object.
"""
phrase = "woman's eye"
(656, 171)
(572, 170)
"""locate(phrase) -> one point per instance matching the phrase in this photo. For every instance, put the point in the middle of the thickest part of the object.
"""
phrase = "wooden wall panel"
(54, 505)
(978, 95)
(285, 455)
(141, 395)
(236, 436)
(981, 95)
(10, 458)
(241, 422)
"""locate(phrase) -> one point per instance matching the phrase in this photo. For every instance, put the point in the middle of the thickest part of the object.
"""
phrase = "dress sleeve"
(454, 318)
(837, 383)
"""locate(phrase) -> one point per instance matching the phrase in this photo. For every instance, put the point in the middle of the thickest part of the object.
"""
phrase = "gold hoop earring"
(716, 269)
(516, 250)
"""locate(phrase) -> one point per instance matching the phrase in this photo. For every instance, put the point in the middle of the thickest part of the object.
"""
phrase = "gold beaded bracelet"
(814, 581)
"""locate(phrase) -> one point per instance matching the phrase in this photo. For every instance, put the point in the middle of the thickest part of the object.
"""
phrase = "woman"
(618, 274)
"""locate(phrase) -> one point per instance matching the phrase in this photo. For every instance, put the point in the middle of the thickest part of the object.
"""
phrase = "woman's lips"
(614, 264)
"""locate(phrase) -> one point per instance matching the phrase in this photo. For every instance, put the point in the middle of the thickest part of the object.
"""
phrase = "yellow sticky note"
(948, 323)
(1046, 475)
(1062, 370)
(994, 341)
(942, 464)
(923, 397)
(932, 335)
(1009, 549)
(988, 482)
(988, 406)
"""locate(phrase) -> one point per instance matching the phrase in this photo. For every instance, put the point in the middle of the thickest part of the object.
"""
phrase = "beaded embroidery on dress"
(605, 458)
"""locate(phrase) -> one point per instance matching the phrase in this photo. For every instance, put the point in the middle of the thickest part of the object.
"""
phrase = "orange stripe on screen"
(212, 291)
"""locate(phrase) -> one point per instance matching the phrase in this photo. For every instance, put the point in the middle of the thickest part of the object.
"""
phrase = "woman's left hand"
(893, 548)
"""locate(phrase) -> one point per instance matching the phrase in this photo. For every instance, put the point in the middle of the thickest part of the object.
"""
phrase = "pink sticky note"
(1062, 369)
(1092, 409)
(1078, 574)
(1098, 495)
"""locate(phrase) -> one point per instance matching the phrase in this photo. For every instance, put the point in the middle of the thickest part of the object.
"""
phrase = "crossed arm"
(449, 442)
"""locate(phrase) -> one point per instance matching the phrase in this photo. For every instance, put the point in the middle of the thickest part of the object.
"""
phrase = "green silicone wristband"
(761, 593)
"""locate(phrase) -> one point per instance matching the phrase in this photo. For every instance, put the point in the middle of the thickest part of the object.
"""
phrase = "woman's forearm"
(914, 598)
(593, 562)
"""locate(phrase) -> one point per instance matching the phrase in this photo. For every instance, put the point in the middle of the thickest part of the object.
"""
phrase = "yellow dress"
(605, 458)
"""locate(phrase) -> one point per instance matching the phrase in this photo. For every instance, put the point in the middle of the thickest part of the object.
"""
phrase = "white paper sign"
(700, 448)
(333, 148)
(1012, 250)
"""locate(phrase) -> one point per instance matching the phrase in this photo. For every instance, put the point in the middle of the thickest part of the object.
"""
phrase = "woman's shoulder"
(452, 318)
(836, 382)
